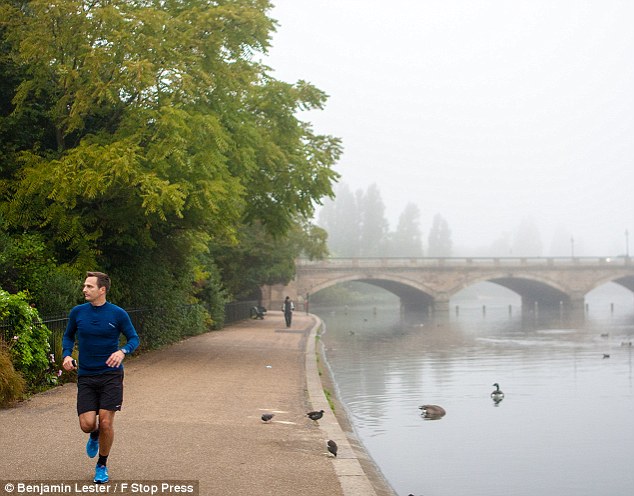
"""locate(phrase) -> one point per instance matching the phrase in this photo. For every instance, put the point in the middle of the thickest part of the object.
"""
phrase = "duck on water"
(432, 411)
(497, 394)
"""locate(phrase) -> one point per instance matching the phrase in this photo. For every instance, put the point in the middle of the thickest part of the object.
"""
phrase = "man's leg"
(106, 431)
(106, 437)
(88, 422)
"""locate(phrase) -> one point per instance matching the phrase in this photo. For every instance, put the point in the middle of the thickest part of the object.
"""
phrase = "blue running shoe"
(101, 474)
(92, 447)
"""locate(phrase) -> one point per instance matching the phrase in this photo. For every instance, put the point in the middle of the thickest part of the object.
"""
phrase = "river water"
(564, 428)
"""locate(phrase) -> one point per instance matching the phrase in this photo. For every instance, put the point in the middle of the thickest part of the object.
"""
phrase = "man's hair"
(103, 280)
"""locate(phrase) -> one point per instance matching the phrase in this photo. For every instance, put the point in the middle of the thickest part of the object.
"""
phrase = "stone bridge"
(429, 283)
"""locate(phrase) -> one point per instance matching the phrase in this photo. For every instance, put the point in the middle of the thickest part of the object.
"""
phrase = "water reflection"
(563, 427)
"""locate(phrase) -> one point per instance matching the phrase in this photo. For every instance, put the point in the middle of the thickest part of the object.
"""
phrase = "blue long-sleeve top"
(97, 330)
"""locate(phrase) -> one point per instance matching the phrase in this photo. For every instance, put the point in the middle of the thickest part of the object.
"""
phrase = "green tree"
(151, 124)
(26, 267)
(260, 258)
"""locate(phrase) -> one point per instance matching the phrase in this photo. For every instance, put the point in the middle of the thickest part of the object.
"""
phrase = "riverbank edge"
(357, 472)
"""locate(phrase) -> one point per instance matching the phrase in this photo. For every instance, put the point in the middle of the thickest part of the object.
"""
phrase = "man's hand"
(115, 359)
(68, 363)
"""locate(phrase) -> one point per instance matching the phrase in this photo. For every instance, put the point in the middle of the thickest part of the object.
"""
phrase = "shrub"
(29, 346)
(12, 384)
(161, 326)
(212, 296)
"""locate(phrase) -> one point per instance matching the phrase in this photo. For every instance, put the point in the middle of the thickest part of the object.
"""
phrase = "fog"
(489, 113)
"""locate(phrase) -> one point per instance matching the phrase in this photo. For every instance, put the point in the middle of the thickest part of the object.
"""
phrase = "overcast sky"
(487, 112)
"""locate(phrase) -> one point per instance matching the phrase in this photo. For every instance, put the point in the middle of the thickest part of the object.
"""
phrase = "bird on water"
(497, 394)
(332, 447)
(315, 415)
(432, 411)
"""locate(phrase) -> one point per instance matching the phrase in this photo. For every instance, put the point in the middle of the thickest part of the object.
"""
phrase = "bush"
(212, 296)
(162, 326)
(29, 346)
(12, 384)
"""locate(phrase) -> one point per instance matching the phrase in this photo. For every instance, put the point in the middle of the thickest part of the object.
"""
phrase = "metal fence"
(238, 310)
(234, 312)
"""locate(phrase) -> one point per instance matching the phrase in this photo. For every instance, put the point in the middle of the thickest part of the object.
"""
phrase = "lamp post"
(572, 247)
(627, 244)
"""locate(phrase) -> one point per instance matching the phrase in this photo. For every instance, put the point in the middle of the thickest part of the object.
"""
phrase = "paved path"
(192, 412)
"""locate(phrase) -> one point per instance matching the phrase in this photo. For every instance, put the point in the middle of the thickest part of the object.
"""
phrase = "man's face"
(91, 291)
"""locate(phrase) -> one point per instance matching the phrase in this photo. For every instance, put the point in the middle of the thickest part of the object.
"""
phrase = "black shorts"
(100, 392)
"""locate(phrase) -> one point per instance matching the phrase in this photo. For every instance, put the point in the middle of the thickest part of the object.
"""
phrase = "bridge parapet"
(332, 263)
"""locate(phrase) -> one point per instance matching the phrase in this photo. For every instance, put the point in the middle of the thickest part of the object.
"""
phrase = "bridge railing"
(464, 261)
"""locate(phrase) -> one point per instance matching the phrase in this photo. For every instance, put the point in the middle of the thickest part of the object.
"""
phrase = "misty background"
(500, 117)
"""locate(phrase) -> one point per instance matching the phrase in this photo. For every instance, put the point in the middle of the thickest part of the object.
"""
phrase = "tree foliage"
(26, 266)
(260, 258)
(144, 132)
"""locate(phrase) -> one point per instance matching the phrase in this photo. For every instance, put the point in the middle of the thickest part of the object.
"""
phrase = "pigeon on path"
(332, 447)
(267, 416)
(315, 415)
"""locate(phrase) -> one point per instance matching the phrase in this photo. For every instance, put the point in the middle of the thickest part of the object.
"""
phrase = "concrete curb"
(353, 480)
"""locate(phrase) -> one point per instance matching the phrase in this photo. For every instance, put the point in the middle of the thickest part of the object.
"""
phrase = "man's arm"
(131, 336)
(68, 342)
(132, 340)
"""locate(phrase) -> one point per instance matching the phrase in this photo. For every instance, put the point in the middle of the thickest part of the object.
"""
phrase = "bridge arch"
(413, 295)
(626, 280)
(533, 289)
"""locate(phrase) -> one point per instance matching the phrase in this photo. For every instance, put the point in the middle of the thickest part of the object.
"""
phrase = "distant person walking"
(97, 326)
(288, 308)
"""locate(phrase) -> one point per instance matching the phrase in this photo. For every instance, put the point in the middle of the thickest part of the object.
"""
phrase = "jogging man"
(97, 326)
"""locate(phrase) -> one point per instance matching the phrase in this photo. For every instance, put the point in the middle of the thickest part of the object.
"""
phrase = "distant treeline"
(357, 227)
